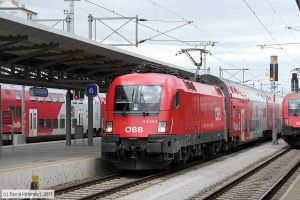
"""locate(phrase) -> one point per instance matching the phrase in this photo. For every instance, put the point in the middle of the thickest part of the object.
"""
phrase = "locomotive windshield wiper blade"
(124, 113)
(145, 113)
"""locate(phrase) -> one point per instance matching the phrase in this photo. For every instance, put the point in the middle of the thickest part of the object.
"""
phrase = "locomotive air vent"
(190, 85)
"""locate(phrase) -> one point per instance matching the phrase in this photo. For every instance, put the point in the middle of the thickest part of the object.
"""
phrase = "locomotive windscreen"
(294, 107)
(137, 99)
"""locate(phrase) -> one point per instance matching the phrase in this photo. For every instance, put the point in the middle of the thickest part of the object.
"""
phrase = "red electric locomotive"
(156, 119)
(291, 119)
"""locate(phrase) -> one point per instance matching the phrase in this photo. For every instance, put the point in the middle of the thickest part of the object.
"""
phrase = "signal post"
(274, 80)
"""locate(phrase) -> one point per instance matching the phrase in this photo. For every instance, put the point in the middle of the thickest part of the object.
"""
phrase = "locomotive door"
(242, 125)
(32, 122)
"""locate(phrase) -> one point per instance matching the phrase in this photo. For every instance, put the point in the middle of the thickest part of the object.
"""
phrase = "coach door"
(32, 122)
(242, 125)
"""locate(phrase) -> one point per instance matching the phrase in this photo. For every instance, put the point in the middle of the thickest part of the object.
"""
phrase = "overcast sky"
(231, 23)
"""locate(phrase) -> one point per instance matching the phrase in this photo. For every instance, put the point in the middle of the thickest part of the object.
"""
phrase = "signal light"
(75, 97)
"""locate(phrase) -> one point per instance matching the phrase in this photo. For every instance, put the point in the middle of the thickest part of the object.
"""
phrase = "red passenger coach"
(291, 119)
(156, 119)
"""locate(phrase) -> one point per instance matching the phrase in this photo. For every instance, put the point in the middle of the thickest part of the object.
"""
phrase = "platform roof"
(298, 3)
(38, 55)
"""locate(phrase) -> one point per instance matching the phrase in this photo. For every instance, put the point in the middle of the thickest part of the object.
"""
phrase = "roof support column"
(90, 19)
(23, 115)
(68, 118)
(0, 122)
(90, 121)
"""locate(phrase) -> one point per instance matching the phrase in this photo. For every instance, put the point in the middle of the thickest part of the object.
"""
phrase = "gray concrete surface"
(53, 162)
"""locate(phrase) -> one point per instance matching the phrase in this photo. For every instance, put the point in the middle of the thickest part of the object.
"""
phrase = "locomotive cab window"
(294, 107)
(176, 101)
(137, 100)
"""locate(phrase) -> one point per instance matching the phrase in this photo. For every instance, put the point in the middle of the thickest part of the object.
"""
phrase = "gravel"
(189, 184)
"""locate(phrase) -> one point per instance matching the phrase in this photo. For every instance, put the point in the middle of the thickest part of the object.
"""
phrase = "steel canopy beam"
(35, 82)
(81, 65)
(11, 40)
(66, 56)
(30, 55)
(102, 66)
(22, 48)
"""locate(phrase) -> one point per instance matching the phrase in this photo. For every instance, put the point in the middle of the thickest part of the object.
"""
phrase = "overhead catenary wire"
(205, 33)
(141, 24)
(269, 32)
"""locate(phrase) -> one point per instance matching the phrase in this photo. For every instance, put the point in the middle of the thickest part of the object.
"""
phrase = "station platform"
(53, 162)
(293, 192)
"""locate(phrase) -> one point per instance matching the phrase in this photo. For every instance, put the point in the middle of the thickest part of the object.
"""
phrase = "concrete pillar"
(90, 121)
(68, 118)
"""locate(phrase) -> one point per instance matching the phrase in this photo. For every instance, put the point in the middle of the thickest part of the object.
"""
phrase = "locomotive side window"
(176, 101)
(294, 107)
(17, 94)
(137, 99)
(55, 123)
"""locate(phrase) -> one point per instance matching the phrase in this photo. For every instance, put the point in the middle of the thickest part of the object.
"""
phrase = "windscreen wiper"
(124, 113)
(144, 113)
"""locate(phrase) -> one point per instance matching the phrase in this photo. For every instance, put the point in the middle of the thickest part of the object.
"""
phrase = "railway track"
(123, 183)
(261, 182)
(100, 187)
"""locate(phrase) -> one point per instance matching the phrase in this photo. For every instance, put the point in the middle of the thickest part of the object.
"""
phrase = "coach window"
(7, 92)
(41, 99)
(62, 123)
(48, 99)
(12, 109)
(176, 101)
(61, 98)
(17, 94)
(74, 122)
(41, 124)
(48, 123)
(18, 111)
(55, 123)
(54, 97)
(32, 98)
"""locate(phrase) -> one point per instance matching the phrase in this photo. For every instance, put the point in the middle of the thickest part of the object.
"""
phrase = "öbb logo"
(134, 129)
(298, 123)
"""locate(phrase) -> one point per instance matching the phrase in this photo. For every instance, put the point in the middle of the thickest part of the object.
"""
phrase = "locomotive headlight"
(161, 127)
(109, 127)
(286, 121)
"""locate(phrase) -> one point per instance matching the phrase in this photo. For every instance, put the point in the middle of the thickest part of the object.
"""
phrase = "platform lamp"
(273, 80)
